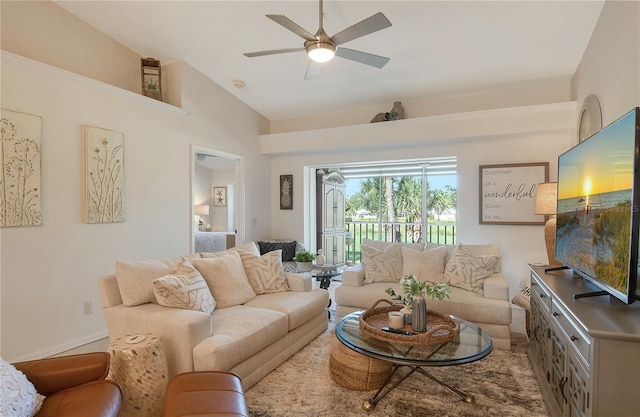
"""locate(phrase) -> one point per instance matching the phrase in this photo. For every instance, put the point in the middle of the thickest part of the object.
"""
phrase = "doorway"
(217, 186)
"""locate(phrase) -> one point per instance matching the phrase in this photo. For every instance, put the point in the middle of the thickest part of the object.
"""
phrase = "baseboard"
(56, 350)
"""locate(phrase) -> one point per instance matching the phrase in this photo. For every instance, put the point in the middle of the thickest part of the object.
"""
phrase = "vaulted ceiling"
(436, 48)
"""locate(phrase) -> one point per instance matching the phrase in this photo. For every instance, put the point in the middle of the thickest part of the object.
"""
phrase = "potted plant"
(304, 261)
(412, 288)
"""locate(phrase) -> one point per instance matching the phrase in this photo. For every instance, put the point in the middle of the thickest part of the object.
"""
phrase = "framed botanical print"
(219, 196)
(286, 192)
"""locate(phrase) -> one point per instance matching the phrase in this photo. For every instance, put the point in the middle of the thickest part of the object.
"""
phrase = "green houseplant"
(304, 260)
(414, 289)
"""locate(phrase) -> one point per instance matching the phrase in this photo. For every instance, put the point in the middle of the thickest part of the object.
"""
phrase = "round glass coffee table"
(471, 345)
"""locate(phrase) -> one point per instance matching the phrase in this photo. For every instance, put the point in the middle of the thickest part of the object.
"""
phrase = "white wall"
(206, 179)
(50, 270)
(515, 135)
(610, 66)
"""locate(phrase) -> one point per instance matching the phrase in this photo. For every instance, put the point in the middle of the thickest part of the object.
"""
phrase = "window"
(387, 201)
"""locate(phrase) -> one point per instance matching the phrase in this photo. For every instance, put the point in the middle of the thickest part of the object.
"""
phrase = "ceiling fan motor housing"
(322, 49)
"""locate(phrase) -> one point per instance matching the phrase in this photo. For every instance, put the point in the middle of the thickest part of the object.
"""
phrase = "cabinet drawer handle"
(555, 314)
(563, 382)
(573, 338)
(542, 295)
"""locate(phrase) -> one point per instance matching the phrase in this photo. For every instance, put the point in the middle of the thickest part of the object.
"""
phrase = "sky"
(435, 181)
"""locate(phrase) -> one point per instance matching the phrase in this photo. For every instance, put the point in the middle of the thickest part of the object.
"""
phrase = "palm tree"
(441, 200)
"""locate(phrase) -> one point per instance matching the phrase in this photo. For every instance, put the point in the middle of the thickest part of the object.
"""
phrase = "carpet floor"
(503, 385)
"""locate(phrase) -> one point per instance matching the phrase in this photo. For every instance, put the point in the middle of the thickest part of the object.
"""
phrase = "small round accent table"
(139, 365)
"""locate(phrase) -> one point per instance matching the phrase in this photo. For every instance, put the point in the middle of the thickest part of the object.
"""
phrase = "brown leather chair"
(74, 385)
(205, 394)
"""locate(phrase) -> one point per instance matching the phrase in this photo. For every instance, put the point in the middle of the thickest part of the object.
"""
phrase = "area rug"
(503, 384)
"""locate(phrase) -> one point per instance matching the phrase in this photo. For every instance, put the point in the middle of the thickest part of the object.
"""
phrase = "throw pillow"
(184, 288)
(424, 265)
(135, 279)
(288, 248)
(18, 396)
(226, 279)
(265, 273)
(382, 265)
(467, 271)
(523, 298)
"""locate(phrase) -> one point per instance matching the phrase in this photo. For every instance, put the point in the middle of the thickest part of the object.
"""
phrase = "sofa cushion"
(382, 245)
(226, 279)
(18, 396)
(135, 279)
(300, 307)
(288, 248)
(488, 249)
(184, 288)
(238, 333)
(265, 273)
(250, 247)
(424, 265)
(464, 304)
(467, 270)
(382, 265)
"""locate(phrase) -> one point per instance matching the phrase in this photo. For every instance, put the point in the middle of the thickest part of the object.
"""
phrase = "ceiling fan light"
(321, 52)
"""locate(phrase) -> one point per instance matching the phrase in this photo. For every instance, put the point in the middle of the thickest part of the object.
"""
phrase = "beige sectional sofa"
(247, 333)
(483, 299)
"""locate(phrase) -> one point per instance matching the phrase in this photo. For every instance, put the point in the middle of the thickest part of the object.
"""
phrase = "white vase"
(304, 266)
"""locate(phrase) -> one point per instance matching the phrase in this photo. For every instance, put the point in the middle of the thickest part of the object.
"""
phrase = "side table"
(139, 365)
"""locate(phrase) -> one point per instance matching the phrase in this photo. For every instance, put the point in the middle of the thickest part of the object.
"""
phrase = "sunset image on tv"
(595, 194)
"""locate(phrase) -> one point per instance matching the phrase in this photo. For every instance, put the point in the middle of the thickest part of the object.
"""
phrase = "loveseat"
(479, 291)
(233, 310)
(72, 385)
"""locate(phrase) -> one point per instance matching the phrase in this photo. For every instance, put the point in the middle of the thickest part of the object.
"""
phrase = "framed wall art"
(151, 78)
(286, 192)
(508, 193)
(219, 196)
(104, 160)
(20, 202)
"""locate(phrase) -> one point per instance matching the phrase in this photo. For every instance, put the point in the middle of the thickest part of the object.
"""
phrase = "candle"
(396, 319)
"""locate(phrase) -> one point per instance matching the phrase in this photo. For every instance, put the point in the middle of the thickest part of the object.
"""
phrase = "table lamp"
(201, 210)
(546, 200)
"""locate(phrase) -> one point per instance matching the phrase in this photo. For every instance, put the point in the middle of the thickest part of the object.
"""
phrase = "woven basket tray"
(441, 328)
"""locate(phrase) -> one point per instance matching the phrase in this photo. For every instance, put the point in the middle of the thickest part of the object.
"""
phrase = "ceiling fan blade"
(272, 52)
(369, 25)
(313, 70)
(291, 25)
(362, 57)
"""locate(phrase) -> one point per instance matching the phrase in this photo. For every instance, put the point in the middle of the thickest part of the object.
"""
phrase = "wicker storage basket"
(441, 328)
(355, 371)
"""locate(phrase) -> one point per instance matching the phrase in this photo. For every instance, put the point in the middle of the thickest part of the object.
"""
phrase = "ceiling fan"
(322, 48)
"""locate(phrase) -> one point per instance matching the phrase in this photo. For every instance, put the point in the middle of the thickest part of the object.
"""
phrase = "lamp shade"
(546, 198)
(202, 210)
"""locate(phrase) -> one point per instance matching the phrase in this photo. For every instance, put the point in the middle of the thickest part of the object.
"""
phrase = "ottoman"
(355, 371)
(205, 393)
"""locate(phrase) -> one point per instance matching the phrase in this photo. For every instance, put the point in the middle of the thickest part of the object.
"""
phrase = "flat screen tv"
(598, 218)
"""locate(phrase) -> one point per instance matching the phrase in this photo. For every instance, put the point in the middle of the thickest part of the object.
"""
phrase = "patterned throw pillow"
(184, 288)
(523, 298)
(288, 248)
(265, 273)
(468, 271)
(424, 265)
(18, 396)
(382, 265)
(226, 279)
